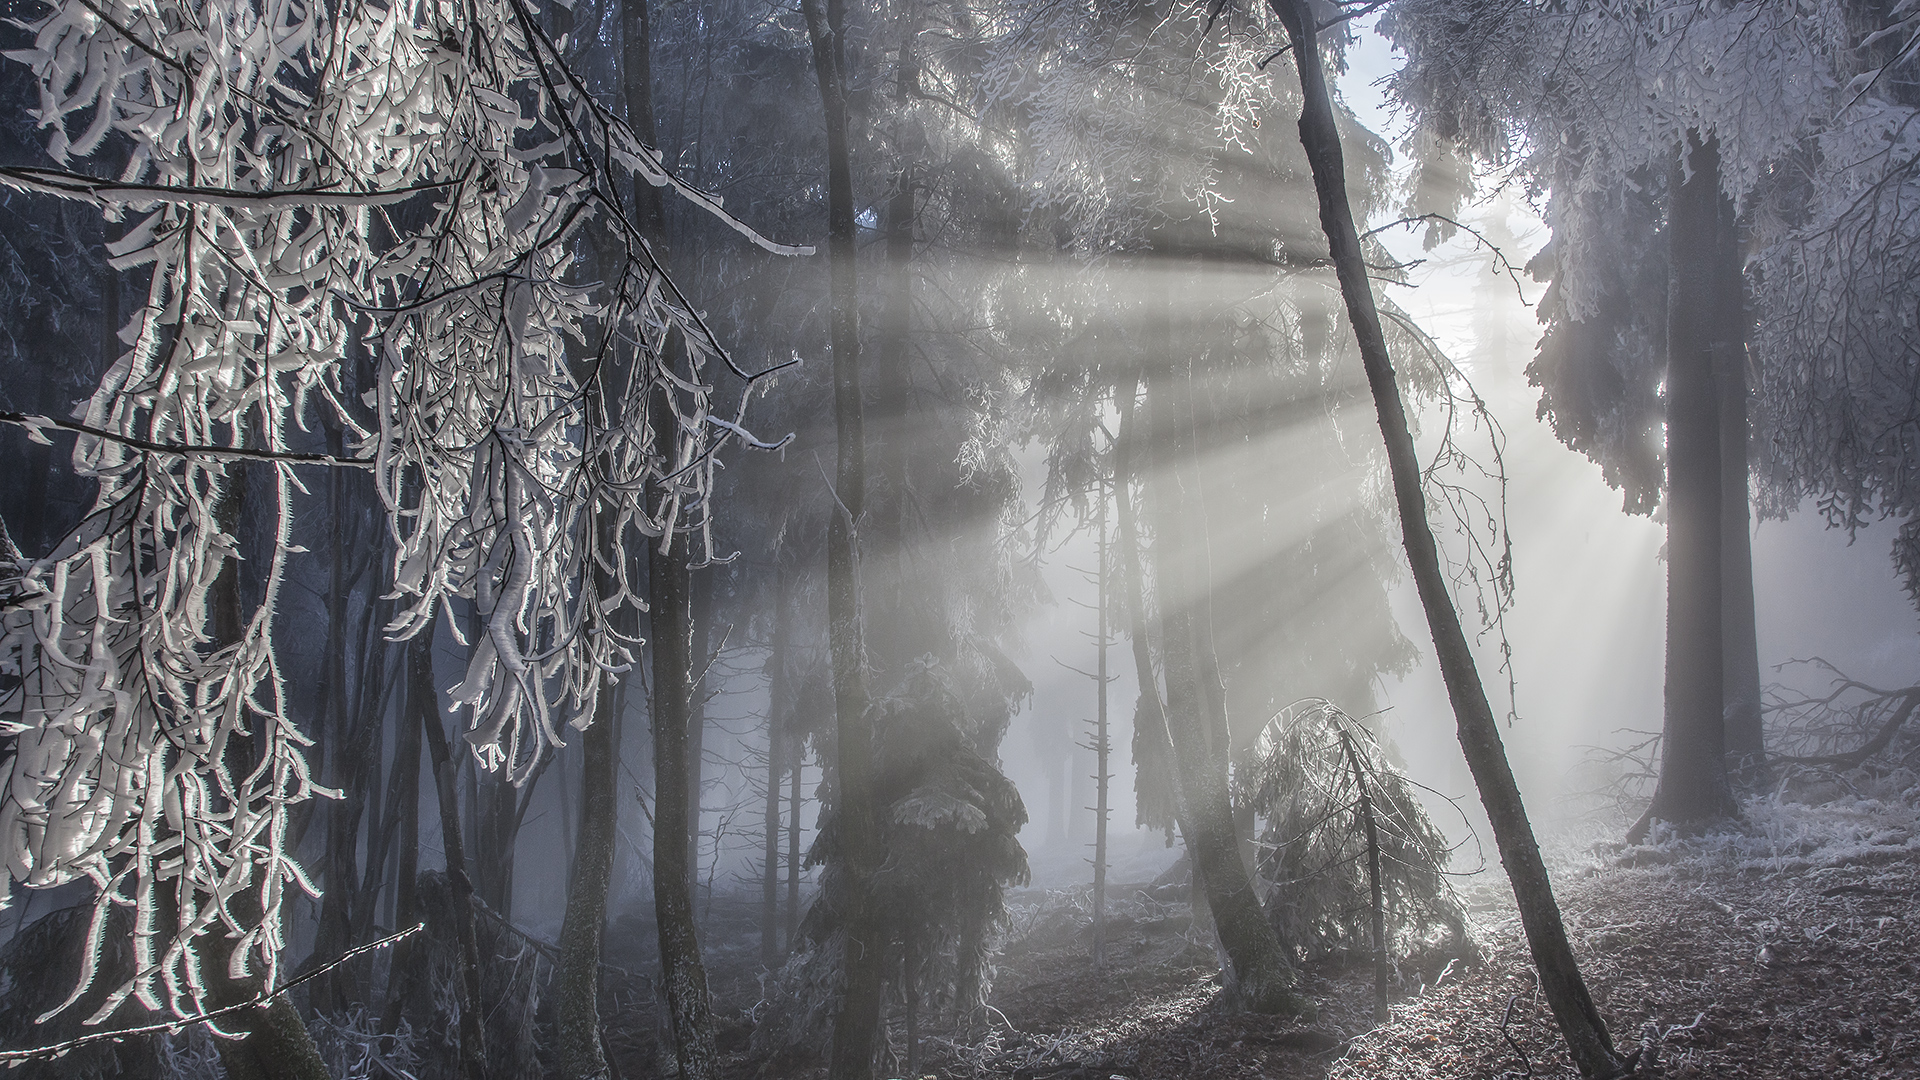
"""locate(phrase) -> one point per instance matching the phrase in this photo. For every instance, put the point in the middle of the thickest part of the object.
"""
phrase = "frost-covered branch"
(372, 216)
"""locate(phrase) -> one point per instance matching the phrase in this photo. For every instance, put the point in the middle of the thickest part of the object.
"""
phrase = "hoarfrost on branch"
(371, 216)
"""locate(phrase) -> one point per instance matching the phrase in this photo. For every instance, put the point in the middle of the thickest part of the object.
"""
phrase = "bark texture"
(1588, 1041)
(683, 974)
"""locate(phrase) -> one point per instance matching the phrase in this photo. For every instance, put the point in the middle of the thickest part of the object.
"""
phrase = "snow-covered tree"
(1789, 116)
(380, 197)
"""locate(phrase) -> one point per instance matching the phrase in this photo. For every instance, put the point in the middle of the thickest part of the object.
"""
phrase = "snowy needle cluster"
(365, 219)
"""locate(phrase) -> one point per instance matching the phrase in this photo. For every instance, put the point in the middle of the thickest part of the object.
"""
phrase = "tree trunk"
(1566, 992)
(1378, 922)
(700, 622)
(1746, 744)
(856, 1025)
(496, 842)
(340, 846)
(778, 693)
(1693, 788)
(1259, 975)
(1101, 748)
(274, 1044)
(422, 706)
(889, 423)
(1153, 780)
(683, 975)
(446, 776)
(577, 981)
(374, 698)
(793, 842)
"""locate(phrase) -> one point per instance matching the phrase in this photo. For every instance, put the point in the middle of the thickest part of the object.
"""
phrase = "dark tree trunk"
(582, 929)
(497, 838)
(682, 973)
(341, 845)
(636, 76)
(356, 726)
(1693, 788)
(422, 707)
(1566, 992)
(375, 692)
(856, 1025)
(446, 777)
(1260, 978)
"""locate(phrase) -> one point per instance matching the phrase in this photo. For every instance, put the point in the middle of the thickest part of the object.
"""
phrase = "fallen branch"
(1909, 700)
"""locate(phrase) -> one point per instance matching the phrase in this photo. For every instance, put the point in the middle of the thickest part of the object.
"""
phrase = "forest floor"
(1787, 947)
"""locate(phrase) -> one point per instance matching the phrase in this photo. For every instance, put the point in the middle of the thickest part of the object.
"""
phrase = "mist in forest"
(989, 540)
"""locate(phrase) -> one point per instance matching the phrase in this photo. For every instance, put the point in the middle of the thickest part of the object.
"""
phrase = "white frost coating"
(1818, 133)
(493, 443)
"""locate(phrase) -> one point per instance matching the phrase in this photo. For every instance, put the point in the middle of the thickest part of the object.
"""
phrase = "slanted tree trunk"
(856, 1025)
(1693, 788)
(1259, 976)
(1566, 992)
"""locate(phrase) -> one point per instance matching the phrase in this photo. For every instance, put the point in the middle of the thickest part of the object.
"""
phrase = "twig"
(34, 424)
(1504, 1021)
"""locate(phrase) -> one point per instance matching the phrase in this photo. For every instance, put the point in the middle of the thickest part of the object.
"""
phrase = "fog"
(604, 576)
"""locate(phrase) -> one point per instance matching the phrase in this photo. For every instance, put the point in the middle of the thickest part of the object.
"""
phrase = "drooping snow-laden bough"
(368, 216)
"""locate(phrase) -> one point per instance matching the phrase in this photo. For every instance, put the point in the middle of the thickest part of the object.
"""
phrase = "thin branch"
(34, 423)
(57, 1049)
